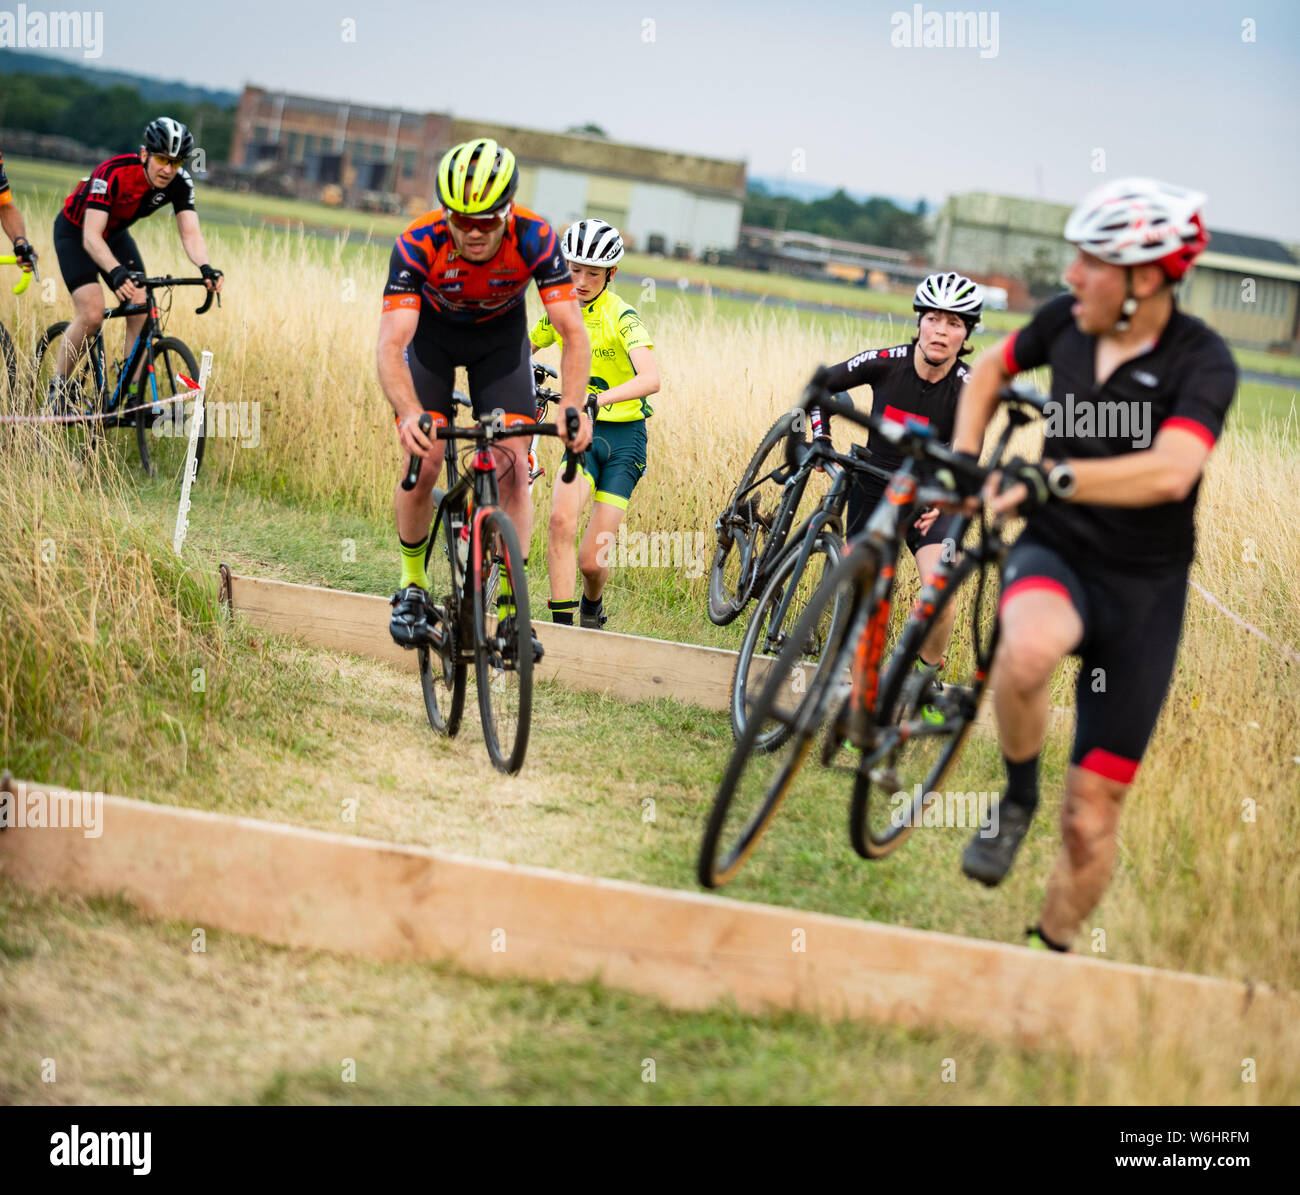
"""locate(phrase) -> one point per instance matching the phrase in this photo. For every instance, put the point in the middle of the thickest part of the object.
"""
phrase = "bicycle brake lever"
(413, 467)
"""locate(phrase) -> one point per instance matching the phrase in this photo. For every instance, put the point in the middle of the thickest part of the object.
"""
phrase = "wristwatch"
(1061, 480)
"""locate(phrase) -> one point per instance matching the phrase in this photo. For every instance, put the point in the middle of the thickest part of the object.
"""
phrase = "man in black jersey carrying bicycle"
(920, 381)
(1139, 396)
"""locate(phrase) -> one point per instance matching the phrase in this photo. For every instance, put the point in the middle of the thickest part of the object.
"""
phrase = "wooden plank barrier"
(631, 667)
(311, 889)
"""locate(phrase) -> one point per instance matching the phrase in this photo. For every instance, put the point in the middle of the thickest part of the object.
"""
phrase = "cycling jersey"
(426, 273)
(1187, 379)
(615, 330)
(121, 188)
(898, 393)
(5, 194)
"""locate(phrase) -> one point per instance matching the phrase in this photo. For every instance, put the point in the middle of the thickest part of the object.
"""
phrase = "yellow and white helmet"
(477, 177)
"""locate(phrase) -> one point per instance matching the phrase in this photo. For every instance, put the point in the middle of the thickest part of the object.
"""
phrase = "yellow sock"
(413, 564)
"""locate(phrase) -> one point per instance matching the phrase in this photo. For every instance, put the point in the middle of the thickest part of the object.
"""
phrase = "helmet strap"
(1130, 305)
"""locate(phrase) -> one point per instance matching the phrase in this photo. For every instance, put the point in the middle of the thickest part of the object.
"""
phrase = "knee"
(1088, 817)
(1024, 662)
(563, 524)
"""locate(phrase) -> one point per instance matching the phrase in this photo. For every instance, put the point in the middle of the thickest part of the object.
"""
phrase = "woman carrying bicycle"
(623, 376)
(920, 381)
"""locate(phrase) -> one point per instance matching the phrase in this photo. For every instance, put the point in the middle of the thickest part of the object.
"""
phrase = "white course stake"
(191, 459)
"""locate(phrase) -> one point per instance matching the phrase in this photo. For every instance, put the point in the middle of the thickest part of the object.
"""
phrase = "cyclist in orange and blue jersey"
(455, 296)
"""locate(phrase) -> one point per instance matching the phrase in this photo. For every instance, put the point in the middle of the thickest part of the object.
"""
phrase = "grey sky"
(1167, 89)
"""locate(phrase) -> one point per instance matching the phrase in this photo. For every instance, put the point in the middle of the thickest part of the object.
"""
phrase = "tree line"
(110, 117)
(876, 221)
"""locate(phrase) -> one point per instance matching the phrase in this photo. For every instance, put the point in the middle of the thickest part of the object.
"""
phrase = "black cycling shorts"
(865, 493)
(1131, 627)
(497, 354)
(77, 266)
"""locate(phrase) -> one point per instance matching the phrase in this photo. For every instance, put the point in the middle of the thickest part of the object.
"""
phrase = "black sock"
(1022, 783)
(562, 612)
(1038, 929)
(589, 607)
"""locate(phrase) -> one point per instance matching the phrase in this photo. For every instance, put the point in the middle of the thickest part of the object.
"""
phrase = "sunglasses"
(164, 160)
(482, 223)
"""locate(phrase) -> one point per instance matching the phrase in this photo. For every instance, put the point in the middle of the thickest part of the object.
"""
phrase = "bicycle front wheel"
(503, 649)
(443, 671)
(162, 428)
(779, 608)
(744, 525)
(795, 699)
(8, 373)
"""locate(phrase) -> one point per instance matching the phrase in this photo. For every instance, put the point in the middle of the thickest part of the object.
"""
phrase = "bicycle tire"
(443, 671)
(8, 372)
(826, 549)
(742, 537)
(500, 655)
(163, 453)
(723, 853)
(930, 753)
(85, 387)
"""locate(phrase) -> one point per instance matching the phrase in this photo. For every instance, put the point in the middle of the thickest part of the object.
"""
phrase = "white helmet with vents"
(950, 292)
(593, 243)
(1137, 220)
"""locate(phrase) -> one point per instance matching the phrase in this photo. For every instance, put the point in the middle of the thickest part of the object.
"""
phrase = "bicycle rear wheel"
(792, 701)
(162, 429)
(503, 651)
(82, 391)
(744, 525)
(443, 672)
(769, 627)
(920, 726)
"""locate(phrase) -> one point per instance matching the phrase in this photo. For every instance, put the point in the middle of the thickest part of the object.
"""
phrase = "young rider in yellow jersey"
(623, 376)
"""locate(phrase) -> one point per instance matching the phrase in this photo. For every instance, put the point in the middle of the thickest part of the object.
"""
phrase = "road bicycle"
(756, 523)
(907, 726)
(8, 353)
(479, 592)
(161, 411)
(810, 554)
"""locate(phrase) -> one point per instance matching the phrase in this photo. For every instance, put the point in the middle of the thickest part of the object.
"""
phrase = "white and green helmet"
(950, 292)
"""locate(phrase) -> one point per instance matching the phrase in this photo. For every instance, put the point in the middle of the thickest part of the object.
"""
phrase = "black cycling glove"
(209, 274)
(1032, 476)
(24, 252)
(957, 480)
(119, 276)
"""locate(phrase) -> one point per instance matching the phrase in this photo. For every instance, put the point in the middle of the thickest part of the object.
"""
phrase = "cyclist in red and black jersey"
(92, 233)
(920, 381)
(1139, 396)
(11, 220)
(455, 296)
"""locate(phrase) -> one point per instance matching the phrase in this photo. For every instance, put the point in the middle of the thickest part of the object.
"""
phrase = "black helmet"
(170, 137)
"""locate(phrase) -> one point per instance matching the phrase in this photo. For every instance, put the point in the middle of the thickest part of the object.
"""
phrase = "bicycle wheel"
(503, 649)
(744, 526)
(8, 373)
(779, 608)
(81, 390)
(920, 725)
(162, 431)
(756, 783)
(443, 672)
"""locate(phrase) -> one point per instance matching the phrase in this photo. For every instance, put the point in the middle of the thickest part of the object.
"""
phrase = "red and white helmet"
(1134, 221)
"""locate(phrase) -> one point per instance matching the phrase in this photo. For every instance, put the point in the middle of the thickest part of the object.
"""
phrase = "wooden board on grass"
(306, 888)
